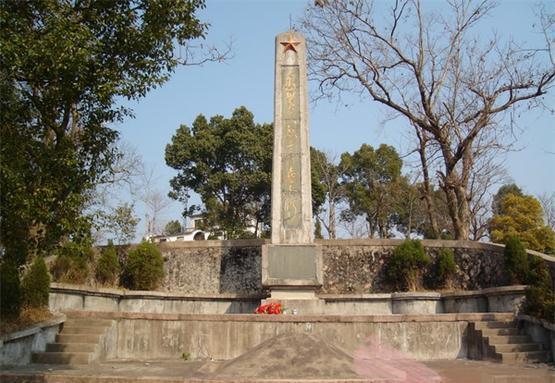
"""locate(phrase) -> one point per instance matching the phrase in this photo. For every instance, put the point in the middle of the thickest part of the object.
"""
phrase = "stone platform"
(277, 348)
(224, 337)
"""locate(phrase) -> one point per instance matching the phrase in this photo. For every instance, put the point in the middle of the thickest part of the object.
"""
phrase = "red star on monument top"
(289, 45)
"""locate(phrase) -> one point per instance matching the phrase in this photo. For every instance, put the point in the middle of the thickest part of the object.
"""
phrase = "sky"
(247, 80)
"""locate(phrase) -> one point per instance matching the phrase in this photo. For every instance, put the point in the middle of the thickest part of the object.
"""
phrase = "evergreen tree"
(36, 285)
(521, 216)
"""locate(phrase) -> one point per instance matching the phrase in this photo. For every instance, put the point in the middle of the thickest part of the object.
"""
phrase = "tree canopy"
(521, 216)
(497, 201)
(173, 228)
(120, 223)
(369, 179)
(228, 162)
(64, 65)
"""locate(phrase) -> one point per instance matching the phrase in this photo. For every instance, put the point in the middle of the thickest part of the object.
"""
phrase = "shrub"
(538, 272)
(540, 303)
(35, 285)
(404, 270)
(446, 268)
(10, 291)
(540, 298)
(144, 267)
(72, 262)
(516, 261)
(107, 268)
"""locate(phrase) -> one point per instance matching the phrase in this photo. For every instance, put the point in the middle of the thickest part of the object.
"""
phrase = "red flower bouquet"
(269, 308)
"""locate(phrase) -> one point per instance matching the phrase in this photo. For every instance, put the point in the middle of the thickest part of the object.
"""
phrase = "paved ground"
(470, 371)
(453, 371)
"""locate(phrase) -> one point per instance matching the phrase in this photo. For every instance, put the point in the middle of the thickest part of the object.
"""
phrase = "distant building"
(194, 233)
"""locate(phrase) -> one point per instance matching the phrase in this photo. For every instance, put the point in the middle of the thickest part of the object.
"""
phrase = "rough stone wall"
(212, 270)
(361, 269)
(350, 266)
(354, 269)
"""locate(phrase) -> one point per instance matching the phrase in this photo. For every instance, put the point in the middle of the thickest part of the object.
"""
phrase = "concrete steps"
(71, 347)
(500, 331)
(77, 343)
(503, 342)
(523, 357)
(517, 347)
(62, 357)
(77, 338)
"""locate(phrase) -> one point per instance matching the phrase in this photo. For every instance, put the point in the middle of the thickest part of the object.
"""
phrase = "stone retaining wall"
(540, 331)
(222, 337)
(350, 266)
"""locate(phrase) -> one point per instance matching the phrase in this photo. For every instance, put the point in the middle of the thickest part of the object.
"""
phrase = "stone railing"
(69, 297)
(16, 348)
(66, 297)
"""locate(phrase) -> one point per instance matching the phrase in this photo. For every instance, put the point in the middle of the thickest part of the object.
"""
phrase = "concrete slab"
(180, 371)
(470, 371)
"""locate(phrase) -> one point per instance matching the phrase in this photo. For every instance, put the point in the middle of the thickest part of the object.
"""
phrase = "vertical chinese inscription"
(291, 148)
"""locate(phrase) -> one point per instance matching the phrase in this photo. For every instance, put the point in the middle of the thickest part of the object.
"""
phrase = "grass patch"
(27, 317)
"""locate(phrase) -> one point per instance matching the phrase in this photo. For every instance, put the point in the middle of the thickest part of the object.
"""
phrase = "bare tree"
(354, 226)
(154, 200)
(330, 169)
(125, 174)
(548, 205)
(547, 28)
(486, 176)
(116, 191)
(458, 87)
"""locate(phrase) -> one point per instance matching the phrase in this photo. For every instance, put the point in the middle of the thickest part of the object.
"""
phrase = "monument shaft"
(291, 183)
(292, 263)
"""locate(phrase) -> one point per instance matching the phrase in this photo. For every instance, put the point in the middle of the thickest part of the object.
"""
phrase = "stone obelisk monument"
(292, 263)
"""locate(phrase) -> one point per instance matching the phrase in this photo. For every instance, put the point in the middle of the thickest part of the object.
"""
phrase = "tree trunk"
(370, 228)
(409, 225)
(331, 220)
(427, 192)
(457, 205)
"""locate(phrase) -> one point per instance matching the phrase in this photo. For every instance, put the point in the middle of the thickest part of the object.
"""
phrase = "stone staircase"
(503, 342)
(77, 343)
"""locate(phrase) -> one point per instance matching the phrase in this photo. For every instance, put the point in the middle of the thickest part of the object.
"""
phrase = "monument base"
(292, 294)
(293, 274)
(292, 268)
(297, 302)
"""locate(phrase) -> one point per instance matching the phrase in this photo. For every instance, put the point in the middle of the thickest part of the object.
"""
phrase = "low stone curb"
(140, 294)
(64, 378)
(393, 318)
(143, 294)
